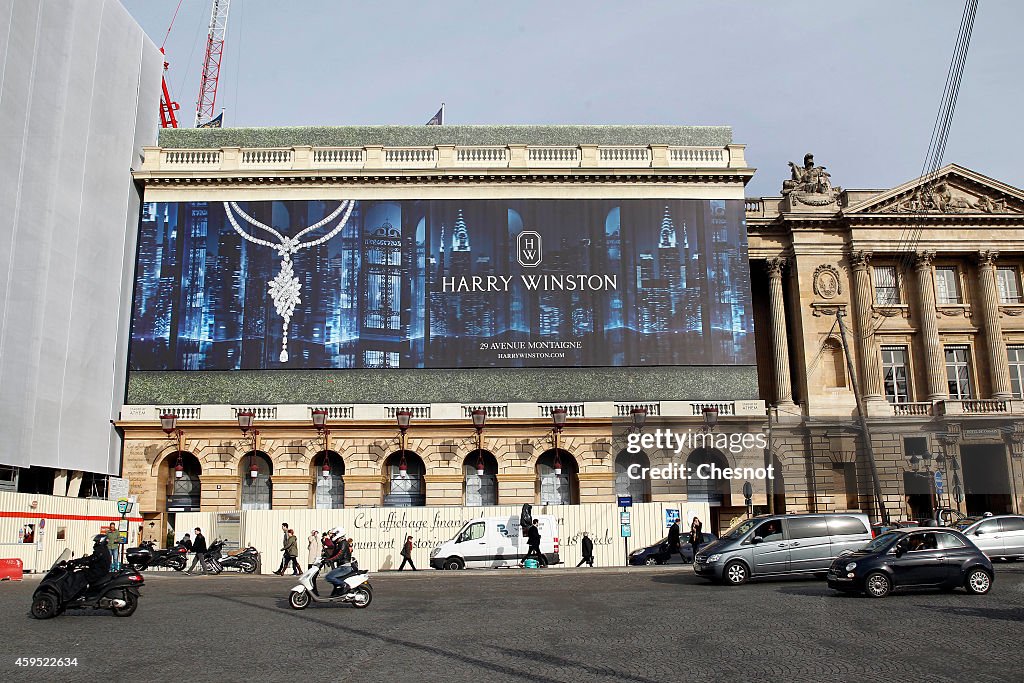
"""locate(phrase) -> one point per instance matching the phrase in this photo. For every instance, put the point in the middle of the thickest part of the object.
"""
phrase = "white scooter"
(357, 590)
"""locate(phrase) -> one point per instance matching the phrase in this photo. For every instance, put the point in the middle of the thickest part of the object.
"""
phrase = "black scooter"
(59, 590)
(146, 556)
(246, 561)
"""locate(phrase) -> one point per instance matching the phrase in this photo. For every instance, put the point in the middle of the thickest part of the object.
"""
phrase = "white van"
(495, 542)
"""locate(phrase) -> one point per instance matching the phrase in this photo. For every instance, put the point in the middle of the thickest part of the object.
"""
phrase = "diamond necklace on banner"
(284, 288)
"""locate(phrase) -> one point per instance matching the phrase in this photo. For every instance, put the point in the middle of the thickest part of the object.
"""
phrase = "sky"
(858, 84)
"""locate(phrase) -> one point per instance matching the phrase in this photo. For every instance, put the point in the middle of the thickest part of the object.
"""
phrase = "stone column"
(867, 351)
(780, 339)
(935, 365)
(988, 305)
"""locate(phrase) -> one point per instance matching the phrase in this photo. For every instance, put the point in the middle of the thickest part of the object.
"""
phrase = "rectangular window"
(894, 372)
(958, 372)
(1008, 279)
(887, 291)
(1016, 357)
(947, 286)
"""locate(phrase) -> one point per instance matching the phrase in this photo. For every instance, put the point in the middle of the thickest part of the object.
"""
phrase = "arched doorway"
(184, 493)
(480, 489)
(329, 491)
(554, 488)
(404, 488)
(639, 489)
(778, 484)
(257, 492)
(706, 490)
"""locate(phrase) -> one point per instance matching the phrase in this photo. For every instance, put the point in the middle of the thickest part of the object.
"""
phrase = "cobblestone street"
(646, 625)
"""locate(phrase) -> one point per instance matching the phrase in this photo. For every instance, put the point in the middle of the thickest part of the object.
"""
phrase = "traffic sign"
(625, 531)
(625, 501)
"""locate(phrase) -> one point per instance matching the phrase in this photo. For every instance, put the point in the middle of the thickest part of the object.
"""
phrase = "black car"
(931, 557)
(658, 553)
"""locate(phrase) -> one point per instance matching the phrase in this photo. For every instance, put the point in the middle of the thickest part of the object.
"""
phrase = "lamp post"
(404, 417)
(320, 423)
(479, 418)
(710, 418)
(245, 419)
(639, 417)
(169, 423)
(558, 421)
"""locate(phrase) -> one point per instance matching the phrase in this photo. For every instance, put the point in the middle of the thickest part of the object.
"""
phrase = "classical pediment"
(952, 190)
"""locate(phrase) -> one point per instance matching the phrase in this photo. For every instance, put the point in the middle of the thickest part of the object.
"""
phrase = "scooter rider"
(342, 555)
(97, 566)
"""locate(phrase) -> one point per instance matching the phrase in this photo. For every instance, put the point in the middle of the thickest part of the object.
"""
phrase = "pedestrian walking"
(291, 552)
(114, 546)
(328, 550)
(533, 543)
(674, 540)
(696, 535)
(198, 547)
(284, 555)
(407, 554)
(587, 546)
(314, 548)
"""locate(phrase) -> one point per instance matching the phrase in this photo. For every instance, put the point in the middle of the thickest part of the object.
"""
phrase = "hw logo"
(529, 251)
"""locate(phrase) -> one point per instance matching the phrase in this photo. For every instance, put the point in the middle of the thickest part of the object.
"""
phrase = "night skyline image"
(441, 284)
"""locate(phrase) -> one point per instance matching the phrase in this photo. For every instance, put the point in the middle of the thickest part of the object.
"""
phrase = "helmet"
(99, 539)
(337, 531)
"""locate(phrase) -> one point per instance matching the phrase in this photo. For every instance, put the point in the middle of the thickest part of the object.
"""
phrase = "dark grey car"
(778, 545)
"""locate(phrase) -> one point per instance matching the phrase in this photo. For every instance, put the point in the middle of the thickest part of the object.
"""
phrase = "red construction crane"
(168, 119)
(211, 65)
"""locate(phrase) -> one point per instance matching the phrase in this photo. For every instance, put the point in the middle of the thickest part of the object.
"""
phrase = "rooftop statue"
(810, 185)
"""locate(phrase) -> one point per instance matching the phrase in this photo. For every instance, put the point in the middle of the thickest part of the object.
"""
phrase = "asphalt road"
(645, 625)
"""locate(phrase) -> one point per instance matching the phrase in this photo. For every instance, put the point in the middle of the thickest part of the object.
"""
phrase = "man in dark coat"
(199, 548)
(673, 540)
(533, 541)
(587, 548)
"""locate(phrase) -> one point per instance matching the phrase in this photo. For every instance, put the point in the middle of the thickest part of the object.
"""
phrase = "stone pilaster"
(444, 489)
(517, 488)
(363, 489)
(597, 487)
(867, 350)
(935, 360)
(291, 491)
(995, 345)
(780, 339)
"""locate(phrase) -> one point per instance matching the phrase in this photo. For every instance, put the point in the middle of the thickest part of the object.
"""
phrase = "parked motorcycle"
(357, 590)
(246, 561)
(147, 555)
(58, 590)
(211, 559)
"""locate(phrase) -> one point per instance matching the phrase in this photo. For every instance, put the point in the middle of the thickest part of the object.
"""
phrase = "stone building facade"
(927, 278)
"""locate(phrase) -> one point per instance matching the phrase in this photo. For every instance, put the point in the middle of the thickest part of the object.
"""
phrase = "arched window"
(481, 489)
(705, 490)
(405, 488)
(554, 488)
(184, 492)
(257, 492)
(640, 488)
(330, 489)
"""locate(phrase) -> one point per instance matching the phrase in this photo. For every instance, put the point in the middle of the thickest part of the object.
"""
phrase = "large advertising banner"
(441, 284)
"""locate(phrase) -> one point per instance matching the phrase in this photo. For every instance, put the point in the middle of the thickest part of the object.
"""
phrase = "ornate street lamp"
(479, 419)
(639, 416)
(710, 417)
(169, 424)
(404, 417)
(558, 416)
(245, 420)
(320, 423)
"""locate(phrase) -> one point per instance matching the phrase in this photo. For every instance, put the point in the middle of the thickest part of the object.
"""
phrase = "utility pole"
(864, 431)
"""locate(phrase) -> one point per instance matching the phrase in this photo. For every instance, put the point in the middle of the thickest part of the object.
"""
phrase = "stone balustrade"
(441, 411)
(227, 159)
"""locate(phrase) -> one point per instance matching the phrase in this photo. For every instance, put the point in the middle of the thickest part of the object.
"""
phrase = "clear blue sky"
(856, 83)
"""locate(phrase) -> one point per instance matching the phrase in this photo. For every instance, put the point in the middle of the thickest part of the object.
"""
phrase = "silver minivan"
(999, 536)
(782, 545)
